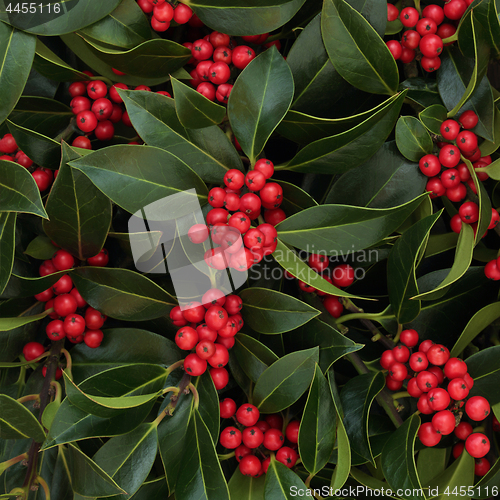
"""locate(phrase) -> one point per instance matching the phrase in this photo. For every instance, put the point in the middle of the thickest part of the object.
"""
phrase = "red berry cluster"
(426, 32)
(341, 276)
(215, 56)
(422, 369)
(163, 13)
(251, 437)
(97, 110)
(448, 176)
(10, 152)
(33, 350)
(72, 319)
(236, 244)
(208, 329)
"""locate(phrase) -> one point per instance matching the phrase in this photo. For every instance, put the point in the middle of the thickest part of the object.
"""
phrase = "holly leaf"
(252, 356)
(7, 246)
(281, 482)
(484, 369)
(17, 422)
(412, 138)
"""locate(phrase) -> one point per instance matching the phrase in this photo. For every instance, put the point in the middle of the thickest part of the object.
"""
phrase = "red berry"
(401, 353)
(454, 368)
(186, 338)
(287, 456)
(463, 430)
(93, 318)
(252, 437)
(477, 408)
(247, 415)
(333, 306)
(343, 275)
(398, 371)
(96, 89)
(481, 467)
(409, 17)
(387, 359)
(242, 55)
(428, 435)
(477, 445)
(444, 422)
(227, 408)
(93, 338)
(438, 354)
(230, 438)
(418, 362)
(469, 212)
(392, 12)
(409, 338)
(273, 439)
(292, 431)
(449, 129)
(65, 304)
(194, 365)
(395, 48)
(250, 465)
(33, 350)
(457, 388)
(220, 358)
(220, 377)
(438, 399)
(468, 119)
(426, 381)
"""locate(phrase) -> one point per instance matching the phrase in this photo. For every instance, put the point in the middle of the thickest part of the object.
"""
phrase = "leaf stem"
(402, 394)
(29, 397)
(173, 367)
(5, 465)
(69, 363)
(45, 486)
(227, 456)
(196, 396)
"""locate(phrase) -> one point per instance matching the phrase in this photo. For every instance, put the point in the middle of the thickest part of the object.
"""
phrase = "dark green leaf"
(120, 347)
(49, 22)
(339, 229)
(208, 151)
(19, 286)
(282, 483)
(52, 66)
(19, 190)
(271, 312)
(209, 404)
(259, 100)
(294, 198)
(253, 356)
(453, 79)
(398, 460)
(373, 11)
(285, 380)
(332, 344)
(79, 214)
(312, 71)
(430, 463)
(246, 487)
(43, 150)
(251, 18)
(342, 152)
(135, 176)
(317, 426)
(7, 246)
(17, 422)
(172, 436)
(475, 326)
(194, 110)
(201, 474)
(41, 248)
(87, 478)
(128, 459)
(356, 49)
(387, 179)
(463, 259)
(126, 26)
(156, 58)
(432, 117)
(422, 91)
(17, 50)
(357, 397)
(7, 324)
(401, 275)
(488, 24)
(154, 489)
(412, 138)
(121, 293)
(485, 370)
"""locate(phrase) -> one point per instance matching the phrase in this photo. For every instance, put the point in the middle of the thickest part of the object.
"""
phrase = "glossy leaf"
(357, 397)
(356, 50)
(493, 170)
(73, 424)
(17, 422)
(194, 110)
(87, 478)
(121, 347)
(172, 436)
(253, 356)
(48, 64)
(7, 324)
(251, 18)
(463, 259)
(332, 344)
(484, 487)
(338, 229)
(401, 273)
(17, 50)
(48, 22)
(312, 71)
(453, 79)
(246, 487)
(122, 293)
(281, 482)
(270, 312)
(484, 203)
(430, 463)
(412, 138)
(125, 27)
(7, 246)
(208, 152)
(432, 117)
(487, 23)
(342, 152)
(285, 381)
(128, 459)
(135, 176)
(20, 287)
(209, 404)
(41, 248)
(295, 199)
(388, 179)
(79, 214)
(475, 326)
(259, 100)
(200, 475)
(373, 12)
(317, 427)
(398, 459)
(156, 58)
(485, 370)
